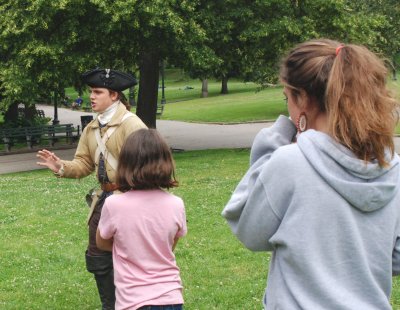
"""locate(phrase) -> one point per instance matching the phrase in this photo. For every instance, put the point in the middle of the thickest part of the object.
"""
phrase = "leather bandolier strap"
(101, 172)
(105, 184)
(109, 187)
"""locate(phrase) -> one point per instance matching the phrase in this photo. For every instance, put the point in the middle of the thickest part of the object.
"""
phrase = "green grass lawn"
(241, 106)
(42, 218)
(42, 224)
(245, 101)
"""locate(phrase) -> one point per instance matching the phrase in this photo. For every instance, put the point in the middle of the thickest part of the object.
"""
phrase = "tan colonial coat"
(84, 162)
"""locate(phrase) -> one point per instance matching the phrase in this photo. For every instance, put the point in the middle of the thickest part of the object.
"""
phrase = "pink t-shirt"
(144, 224)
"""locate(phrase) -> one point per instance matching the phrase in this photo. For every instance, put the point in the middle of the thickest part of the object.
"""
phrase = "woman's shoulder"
(287, 155)
(284, 163)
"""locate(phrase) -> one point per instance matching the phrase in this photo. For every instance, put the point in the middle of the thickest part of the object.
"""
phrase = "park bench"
(160, 109)
(35, 135)
(40, 113)
(21, 113)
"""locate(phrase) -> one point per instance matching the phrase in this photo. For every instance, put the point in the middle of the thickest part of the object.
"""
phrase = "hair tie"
(339, 48)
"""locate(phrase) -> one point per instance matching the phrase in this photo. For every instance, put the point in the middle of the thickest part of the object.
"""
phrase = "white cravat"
(108, 113)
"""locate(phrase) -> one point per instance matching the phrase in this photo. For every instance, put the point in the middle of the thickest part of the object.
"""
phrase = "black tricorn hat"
(108, 78)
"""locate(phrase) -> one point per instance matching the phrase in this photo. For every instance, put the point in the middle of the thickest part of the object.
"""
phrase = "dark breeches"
(100, 262)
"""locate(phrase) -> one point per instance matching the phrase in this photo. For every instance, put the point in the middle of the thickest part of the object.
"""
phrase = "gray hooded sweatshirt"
(331, 220)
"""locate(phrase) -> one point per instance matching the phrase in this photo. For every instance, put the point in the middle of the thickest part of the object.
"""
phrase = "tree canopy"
(47, 45)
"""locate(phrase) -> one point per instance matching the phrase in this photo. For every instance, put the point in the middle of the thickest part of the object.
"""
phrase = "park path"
(179, 136)
(183, 135)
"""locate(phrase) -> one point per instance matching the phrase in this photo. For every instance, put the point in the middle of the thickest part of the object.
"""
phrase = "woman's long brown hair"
(349, 83)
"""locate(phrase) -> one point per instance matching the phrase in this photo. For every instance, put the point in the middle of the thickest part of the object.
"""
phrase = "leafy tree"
(157, 30)
(45, 46)
(387, 38)
(249, 37)
(278, 25)
(224, 22)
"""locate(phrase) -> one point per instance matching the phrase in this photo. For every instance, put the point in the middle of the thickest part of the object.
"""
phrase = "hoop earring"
(301, 123)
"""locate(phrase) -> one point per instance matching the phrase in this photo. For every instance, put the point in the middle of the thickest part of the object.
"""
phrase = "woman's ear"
(303, 100)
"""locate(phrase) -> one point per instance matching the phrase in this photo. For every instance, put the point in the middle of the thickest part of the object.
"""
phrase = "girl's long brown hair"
(349, 83)
(145, 162)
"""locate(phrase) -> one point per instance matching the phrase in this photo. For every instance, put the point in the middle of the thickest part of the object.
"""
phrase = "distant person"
(143, 224)
(65, 101)
(98, 151)
(77, 103)
(323, 189)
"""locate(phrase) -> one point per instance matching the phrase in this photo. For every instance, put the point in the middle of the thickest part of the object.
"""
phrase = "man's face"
(101, 98)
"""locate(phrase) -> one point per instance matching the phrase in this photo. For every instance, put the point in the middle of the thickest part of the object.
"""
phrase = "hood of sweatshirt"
(365, 185)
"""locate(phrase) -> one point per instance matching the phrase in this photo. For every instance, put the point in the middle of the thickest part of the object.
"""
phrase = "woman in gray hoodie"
(322, 191)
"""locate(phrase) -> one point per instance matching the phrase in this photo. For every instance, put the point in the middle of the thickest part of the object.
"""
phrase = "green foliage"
(47, 44)
(384, 19)
(24, 122)
(40, 46)
(278, 25)
(166, 28)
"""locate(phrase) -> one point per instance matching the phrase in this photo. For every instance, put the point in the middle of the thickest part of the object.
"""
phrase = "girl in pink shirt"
(142, 225)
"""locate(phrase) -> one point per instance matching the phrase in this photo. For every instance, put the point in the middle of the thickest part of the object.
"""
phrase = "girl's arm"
(175, 243)
(103, 244)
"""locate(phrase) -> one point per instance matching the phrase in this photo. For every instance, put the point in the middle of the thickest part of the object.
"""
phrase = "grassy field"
(245, 101)
(42, 218)
(239, 106)
(42, 224)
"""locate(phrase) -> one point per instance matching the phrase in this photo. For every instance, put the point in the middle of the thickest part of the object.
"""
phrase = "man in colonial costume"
(98, 151)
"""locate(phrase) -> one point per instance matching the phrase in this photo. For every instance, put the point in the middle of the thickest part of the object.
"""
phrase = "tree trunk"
(148, 87)
(204, 88)
(30, 112)
(224, 85)
(11, 114)
(393, 67)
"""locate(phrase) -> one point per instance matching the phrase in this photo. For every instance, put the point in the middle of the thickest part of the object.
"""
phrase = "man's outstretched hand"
(49, 160)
